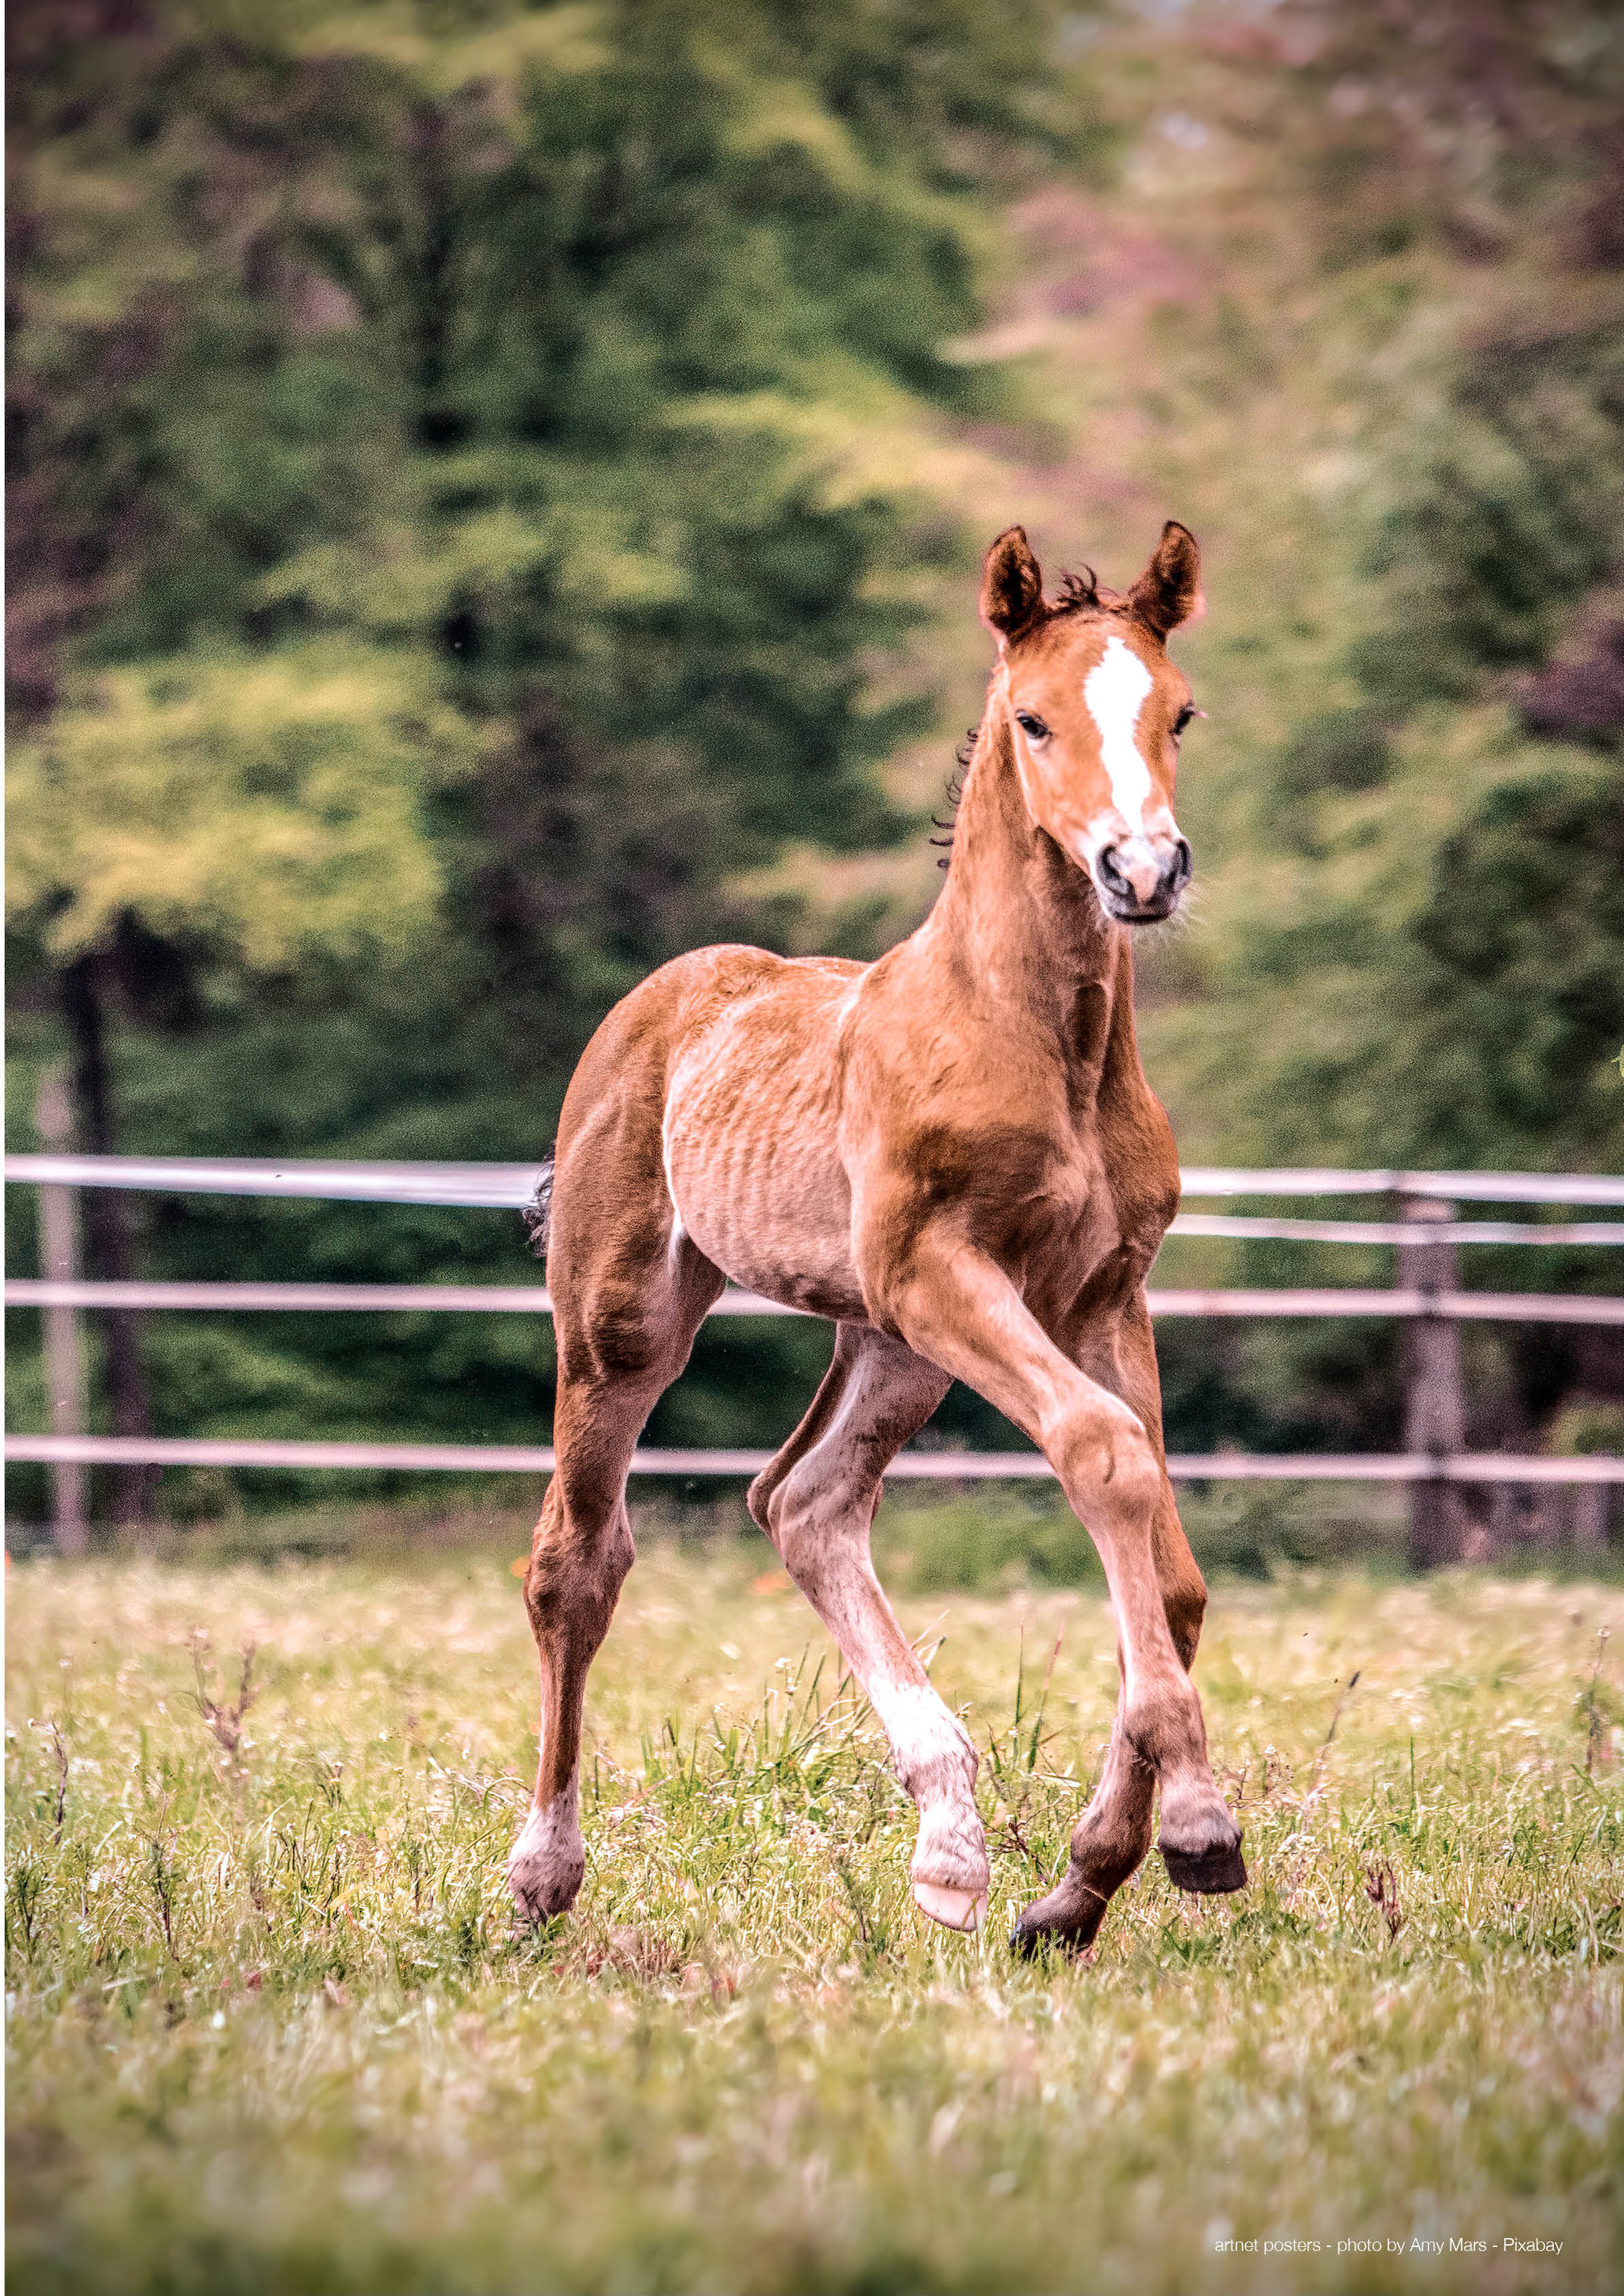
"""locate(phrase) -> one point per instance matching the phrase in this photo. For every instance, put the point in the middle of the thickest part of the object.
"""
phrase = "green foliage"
(1525, 932)
(1514, 513)
(566, 379)
(1450, 915)
(463, 461)
(266, 810)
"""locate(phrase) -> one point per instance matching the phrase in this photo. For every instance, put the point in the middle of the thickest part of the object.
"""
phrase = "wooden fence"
(1425, 1229)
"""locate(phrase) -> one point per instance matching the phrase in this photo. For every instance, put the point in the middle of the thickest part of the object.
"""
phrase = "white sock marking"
(1114, 689)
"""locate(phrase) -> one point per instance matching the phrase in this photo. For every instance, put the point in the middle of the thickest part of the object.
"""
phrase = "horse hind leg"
(613, 1369)
(816, 1501)
(579, 1555)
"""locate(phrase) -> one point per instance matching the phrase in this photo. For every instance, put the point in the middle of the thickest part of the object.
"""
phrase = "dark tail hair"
(537, 1213)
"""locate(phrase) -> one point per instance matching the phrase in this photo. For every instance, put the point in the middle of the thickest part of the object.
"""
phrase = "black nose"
(1140, 894)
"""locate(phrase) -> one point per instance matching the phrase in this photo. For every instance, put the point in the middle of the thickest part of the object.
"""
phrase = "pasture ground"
(269, 2030)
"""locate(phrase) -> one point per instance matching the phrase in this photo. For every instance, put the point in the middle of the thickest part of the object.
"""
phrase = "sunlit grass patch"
(272, 2026)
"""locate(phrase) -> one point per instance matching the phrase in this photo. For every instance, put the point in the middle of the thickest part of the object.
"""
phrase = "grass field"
(270, 2028)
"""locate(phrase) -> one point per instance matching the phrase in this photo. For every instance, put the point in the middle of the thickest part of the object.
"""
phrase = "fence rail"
(929, 1466)
(1431, 1304)
(512, 1185)
(532, 1300)
(498, 1188)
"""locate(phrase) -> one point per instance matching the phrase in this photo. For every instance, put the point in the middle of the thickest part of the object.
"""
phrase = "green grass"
(270, 2031)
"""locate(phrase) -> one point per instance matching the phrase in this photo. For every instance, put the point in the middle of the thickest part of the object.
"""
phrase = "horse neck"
(1018, 923)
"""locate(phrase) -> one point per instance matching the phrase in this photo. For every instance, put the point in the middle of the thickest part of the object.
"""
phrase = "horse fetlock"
(1200, 1840)
(1069, 1916)
(949, 1871)
(1108, 1847)
(547, 1863)
(1110, 1842)
(937, 1764)
(1164, 1729)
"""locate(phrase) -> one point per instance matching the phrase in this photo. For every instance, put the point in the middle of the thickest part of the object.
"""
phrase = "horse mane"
(955, 791)
(1081, 594)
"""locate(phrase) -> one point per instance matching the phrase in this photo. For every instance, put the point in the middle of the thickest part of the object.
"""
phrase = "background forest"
(494, 497)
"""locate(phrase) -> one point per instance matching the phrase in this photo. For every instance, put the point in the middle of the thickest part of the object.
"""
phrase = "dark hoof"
(1207, 1873)
(1026, 1944)
(1067, 1920)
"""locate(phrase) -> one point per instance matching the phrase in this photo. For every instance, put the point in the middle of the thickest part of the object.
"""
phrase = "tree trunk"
(107, 1228)
(59, 1262)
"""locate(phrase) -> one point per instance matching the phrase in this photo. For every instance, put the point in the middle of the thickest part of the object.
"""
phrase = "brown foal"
(954, 1154)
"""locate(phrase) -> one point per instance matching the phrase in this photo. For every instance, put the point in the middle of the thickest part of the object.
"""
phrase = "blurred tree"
(1411, 950)
(1454, 920)
(454, 536)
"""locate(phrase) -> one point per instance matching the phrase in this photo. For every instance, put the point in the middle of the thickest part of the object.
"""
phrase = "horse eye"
(1183, 719)
(1034, 726)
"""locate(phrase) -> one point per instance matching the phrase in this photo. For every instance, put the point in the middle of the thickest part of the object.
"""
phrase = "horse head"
(1093, 709)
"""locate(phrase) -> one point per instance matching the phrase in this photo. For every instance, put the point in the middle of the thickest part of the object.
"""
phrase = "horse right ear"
(1012, 585)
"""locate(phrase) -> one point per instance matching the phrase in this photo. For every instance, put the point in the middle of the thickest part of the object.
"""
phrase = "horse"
(954, 1154)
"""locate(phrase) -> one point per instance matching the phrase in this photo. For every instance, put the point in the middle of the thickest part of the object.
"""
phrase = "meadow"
(270, 2027)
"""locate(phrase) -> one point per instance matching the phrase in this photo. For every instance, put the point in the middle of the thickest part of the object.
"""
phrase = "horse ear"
(1012, 584)
(1170, 590)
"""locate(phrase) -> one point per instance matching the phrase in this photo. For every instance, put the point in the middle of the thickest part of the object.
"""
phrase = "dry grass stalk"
(225, 1721)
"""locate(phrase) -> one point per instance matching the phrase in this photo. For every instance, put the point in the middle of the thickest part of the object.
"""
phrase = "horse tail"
(538, 1214)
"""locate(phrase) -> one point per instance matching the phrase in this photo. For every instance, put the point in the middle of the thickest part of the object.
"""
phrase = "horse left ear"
(1012, 586)
(1170, 590)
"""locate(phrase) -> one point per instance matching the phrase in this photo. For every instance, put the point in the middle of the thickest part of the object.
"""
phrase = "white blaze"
(1114, 689)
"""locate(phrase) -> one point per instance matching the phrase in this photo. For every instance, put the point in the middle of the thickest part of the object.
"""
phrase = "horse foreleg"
(1112, 1837)
(960, 1309)
(817, 1502)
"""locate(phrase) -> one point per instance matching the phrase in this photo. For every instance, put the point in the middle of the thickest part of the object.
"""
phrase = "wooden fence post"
(59, 1254)
(1434, 1410)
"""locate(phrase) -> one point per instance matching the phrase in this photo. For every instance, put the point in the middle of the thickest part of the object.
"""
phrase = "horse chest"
(1099, 1232)
(1115, 1190)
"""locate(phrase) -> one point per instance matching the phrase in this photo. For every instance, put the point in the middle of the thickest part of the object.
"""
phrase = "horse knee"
(1108, 1468)
(573, 1585)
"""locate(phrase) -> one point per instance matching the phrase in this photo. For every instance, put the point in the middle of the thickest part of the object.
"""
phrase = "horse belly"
(752, 1161)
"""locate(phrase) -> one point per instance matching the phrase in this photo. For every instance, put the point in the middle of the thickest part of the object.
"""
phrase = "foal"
(954, 1154)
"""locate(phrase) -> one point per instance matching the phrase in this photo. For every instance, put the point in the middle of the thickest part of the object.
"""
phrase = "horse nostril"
(1181, 868)
(1112, 875)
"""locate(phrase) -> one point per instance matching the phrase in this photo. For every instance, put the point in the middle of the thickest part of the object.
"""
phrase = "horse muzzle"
(1140, 879)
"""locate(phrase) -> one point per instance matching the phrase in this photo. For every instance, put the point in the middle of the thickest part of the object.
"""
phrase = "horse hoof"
(1067, 1920)
(1027, 1939)
(1207, 1873)
(955, 1909)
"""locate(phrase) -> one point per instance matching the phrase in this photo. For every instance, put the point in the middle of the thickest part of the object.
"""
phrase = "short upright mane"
(1081, 594)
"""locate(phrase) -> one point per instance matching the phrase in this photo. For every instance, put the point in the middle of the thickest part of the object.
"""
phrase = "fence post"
(59, 1255)
(1434, 1411)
